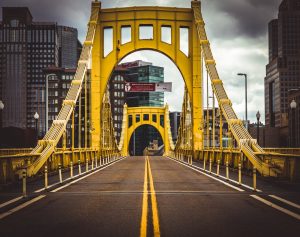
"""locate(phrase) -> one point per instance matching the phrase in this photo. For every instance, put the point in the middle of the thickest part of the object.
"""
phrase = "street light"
(36, 118)
(47, 98)
(293, 106)
(258, 117)
(246, 109)
(1, 108)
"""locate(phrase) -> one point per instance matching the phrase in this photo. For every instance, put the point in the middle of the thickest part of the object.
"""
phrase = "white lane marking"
(65, 180)
(232, 180)
(10, 201)
(222, 177)
(288, 212)
(285, 201)
(55, 184)
(221, 181)
(75, 181)
(5, 214)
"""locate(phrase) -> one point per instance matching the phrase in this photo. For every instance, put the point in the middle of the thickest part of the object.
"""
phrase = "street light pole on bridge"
(246, 108)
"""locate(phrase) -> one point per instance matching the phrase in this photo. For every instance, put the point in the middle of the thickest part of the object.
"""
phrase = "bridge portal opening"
(146, 138)
(146, 66)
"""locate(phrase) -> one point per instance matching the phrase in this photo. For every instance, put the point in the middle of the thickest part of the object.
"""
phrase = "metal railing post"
(210, 164)
(204, 163)
(218, 167)
(96, 160)
(92, 164)
(86, 165)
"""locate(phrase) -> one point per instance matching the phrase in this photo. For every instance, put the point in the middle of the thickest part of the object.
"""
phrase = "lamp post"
(1, 108)
(36, 118)
(46, 99)
(258, 117)
(246, 108)
(293, 106)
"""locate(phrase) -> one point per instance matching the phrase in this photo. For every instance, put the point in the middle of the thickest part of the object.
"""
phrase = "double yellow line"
(154, 210)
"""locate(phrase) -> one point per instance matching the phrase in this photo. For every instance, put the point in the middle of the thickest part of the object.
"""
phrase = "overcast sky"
(237, 30)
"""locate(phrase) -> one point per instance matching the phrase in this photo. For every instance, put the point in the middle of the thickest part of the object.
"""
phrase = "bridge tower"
(112, 22)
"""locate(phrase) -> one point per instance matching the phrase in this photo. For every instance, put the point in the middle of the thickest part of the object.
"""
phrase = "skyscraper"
(26, 48)
(67, 45)
(283, 69)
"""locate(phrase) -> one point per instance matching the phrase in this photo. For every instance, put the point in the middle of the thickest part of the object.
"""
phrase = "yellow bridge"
(88, 94)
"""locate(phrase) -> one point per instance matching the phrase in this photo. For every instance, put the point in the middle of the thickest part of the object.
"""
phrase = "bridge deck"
(109, 202)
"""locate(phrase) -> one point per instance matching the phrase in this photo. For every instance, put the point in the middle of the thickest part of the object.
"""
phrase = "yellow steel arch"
(134, 18)
(158, 117)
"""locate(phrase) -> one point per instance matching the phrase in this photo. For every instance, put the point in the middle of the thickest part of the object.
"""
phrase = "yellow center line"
(143, 228)
(155, 218)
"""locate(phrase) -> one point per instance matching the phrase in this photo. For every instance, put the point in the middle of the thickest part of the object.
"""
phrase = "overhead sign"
(148, 87)
(163, 87)
(139, 87)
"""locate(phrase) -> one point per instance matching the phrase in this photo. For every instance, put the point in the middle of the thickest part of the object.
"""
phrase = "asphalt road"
(152, 197)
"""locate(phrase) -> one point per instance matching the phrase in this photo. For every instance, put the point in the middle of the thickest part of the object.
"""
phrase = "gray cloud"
(248, 17)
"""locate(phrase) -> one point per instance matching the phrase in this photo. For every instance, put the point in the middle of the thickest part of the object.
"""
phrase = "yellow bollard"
(218, 167)
(79, 167)
(59, 173)
(254, 179)
(204, 163)
(46, 177)
(71, 169)
(24, 174)
(92, 164)
(227, 171)
(210, 165)
(240, 173)
(86, 165)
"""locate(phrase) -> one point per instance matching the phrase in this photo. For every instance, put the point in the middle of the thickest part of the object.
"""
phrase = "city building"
(58, 87)
(268, 136)
(117, 98)
(283, 69)
(68, 45)
(26, 48)
(136, 71)
(174, 123)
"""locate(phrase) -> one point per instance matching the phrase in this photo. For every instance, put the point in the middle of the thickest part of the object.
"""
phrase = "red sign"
(139, 87)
